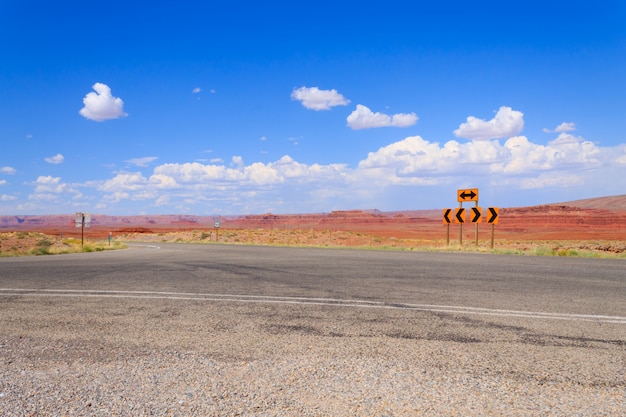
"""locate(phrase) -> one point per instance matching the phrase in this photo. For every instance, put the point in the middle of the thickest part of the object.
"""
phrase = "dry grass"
(345, 239)
(31, 243)
(28, 243)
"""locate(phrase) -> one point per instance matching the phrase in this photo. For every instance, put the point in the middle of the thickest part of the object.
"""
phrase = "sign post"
(217, 230)
(447, 221)
(82, 220)
(475, 215)
(493, 219)
(466, 195)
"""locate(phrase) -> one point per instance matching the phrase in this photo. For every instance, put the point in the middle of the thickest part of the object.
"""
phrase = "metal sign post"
(217, 230)
(447, 220)
(82, 220)
(493, 219)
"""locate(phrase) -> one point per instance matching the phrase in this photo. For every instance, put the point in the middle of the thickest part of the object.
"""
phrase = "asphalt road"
(185, 329)
(562, 286)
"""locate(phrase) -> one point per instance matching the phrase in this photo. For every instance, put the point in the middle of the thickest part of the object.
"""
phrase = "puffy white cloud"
(237, 160)
(315, 99)
(363, 118)
(196, 90)
(50, 184)
(518, 157)
(7, 170)
(506, 123)
(3, 182)
(199, 176)
(49, 188)
(524, 157)
(56, 159)
(141, 162)
(101, 105)
(6, 197)
(132, 181)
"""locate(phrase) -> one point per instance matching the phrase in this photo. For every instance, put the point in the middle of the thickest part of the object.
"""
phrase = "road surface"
(469, 323)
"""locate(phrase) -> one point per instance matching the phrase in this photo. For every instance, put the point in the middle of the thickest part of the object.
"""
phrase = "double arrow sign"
(475, 216)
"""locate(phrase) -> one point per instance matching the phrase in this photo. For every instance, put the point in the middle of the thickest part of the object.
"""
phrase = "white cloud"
(417, 157)
(56, 159)
(49, 188)
(237, 161)
(506, 123)
(196, 90)
(3, 182)
(7, 170)
(563, 127)
(115, 197)
(141, 162)
(565, 138)
(315, 99)
(49, 184)
(287, 185)
(132, 181)
(101, 105)
(364, 118)
(6, 197)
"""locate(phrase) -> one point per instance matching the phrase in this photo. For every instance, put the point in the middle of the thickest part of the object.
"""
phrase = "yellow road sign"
(492, 217)
(476, 214)
(459, 215)
(446, 216)
(470, 194)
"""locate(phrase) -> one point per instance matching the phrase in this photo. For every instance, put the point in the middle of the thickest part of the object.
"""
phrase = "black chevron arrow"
(460, 215)
(477, 214)
(446, 216)
(465, 194)
(494, 214)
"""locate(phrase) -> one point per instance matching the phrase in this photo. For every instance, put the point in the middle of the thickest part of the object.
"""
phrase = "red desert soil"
(598, 219)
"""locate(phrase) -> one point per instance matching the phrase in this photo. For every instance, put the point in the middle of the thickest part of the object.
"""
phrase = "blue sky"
(298, 107)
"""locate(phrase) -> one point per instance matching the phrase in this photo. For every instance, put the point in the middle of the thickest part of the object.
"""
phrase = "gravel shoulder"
(119, 357)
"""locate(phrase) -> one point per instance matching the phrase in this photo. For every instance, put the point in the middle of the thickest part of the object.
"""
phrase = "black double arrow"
(464, 195)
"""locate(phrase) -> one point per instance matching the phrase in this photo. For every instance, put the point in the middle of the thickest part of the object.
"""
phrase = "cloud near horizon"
(235, 186)
(315, 99)
(516, 163)
(363, 118)
(101, 105)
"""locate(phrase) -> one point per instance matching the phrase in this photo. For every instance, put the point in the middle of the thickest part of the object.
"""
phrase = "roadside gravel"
(82, 357)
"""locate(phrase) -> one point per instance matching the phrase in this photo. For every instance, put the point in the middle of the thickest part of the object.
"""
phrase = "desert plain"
(593, 227)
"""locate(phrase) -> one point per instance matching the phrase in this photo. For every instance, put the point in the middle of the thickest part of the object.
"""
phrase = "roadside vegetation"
(35, 244)
(356, 240)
